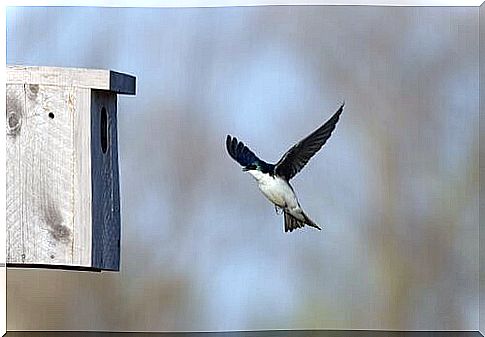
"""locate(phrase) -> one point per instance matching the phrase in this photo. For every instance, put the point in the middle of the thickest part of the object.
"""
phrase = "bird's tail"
(292, 223)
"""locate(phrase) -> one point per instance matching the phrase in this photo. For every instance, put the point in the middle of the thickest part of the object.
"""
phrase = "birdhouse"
(63, 199)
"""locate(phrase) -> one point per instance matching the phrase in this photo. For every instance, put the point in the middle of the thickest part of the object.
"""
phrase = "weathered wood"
(49, 213)
(122, 83)
(63, 207)
(45, 172)
(14, 118)
(82, 245)
(75, 77)
(105, 182)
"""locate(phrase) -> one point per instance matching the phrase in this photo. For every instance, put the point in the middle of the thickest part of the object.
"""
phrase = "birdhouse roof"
(110, 80)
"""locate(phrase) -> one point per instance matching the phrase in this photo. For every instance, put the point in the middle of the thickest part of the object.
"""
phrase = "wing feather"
(298, 156)
(240, 152)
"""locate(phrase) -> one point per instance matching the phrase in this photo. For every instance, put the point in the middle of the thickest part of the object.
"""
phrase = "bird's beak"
(245, 169)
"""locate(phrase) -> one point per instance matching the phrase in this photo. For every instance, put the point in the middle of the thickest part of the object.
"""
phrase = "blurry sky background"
(395, 187)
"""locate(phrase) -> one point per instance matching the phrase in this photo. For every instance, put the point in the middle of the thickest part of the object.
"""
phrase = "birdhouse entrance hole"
(104, 130)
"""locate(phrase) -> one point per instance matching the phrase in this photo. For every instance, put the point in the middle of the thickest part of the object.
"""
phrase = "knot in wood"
(13, 122)
(33, 91)
(34, 88)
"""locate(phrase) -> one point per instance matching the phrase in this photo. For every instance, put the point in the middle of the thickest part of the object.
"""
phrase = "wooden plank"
(80, 103)
(52, 266)
(78, 77)
(122, 83)
(48, 183)
(72, 77)
(46, 175)
(105, 184)
(14, 118)
(63, 203)
(112, 233)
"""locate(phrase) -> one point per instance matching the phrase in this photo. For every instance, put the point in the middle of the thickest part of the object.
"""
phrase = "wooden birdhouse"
(63, 200)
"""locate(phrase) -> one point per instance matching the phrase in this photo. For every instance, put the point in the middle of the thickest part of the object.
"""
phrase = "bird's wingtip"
(228, 144)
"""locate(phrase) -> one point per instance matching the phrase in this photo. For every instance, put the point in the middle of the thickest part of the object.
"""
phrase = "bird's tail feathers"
(292, 223)
(310, 222)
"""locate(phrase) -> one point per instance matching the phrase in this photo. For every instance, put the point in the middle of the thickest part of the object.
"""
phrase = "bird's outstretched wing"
(240, 152)
(296, 158)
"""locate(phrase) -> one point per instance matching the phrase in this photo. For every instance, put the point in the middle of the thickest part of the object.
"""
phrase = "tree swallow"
(274, 179)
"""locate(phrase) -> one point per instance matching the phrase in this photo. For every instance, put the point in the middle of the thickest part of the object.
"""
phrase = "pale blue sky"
(202, 249)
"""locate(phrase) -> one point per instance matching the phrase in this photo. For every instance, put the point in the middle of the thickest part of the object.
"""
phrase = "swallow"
(274, 179)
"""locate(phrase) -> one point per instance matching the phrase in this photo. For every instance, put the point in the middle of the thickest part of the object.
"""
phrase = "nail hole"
(51, 115)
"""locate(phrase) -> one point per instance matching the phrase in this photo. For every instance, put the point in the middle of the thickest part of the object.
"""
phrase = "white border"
(3, 229)
(152, 3)
(224, 3)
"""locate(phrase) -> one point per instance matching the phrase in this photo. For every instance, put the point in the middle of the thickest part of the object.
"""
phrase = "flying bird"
(274, 179)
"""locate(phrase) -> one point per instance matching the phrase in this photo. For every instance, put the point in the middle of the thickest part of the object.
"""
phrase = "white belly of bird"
(276, 190)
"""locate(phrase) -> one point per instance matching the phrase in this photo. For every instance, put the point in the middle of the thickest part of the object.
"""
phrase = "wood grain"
(105, 183)
(82, 235)
(14, 118)
(47, 174)
(77, 77)
(63, 203)
(73, 77)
